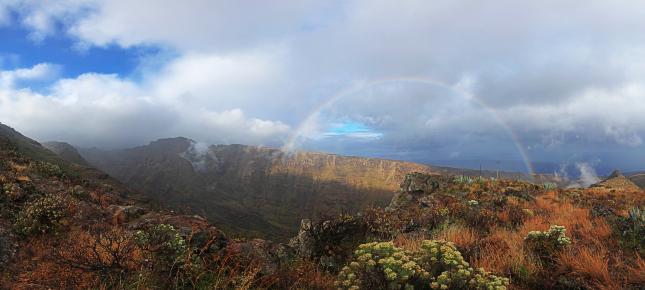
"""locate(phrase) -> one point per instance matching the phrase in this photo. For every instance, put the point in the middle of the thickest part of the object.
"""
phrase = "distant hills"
(257, 191)
(638, 178)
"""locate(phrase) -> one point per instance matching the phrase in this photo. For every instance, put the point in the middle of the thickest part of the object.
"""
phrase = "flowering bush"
(438, 265)
(42, 215)
(47, 169)
(546, 244)
(161, 238)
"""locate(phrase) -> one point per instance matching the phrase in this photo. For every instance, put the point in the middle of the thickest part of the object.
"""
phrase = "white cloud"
(42, 71)
(105, 110)
(193, 26)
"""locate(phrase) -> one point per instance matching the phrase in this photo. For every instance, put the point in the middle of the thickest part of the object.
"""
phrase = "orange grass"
(409, 242)
(462, 236)
(592, 264)
(503, 252)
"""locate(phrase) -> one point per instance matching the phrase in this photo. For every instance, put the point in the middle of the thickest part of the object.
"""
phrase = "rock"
(304, 242)
(415, 186)
(419, 183)
(124, 213)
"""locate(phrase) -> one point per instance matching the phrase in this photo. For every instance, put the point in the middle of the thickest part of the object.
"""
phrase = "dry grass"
(636, 273)
(503, 252)
(591, 264)
(462, 236)
(409, 242)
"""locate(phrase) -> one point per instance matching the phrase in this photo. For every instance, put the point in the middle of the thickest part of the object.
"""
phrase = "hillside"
(65, 151)
(246, 189)
(638, 179)
(66, 226)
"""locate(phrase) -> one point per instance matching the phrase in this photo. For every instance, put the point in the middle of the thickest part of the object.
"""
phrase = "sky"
(525, 82)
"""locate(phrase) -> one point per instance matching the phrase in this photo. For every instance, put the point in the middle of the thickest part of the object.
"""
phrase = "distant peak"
(616, 173)
(172, 140)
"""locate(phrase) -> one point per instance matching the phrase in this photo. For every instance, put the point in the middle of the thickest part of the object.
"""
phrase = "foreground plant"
(437, 265)
(546, 244)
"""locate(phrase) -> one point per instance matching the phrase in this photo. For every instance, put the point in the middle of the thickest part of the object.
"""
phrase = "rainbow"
(291, 143)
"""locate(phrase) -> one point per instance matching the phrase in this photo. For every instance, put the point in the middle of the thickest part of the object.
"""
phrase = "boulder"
(124, 213)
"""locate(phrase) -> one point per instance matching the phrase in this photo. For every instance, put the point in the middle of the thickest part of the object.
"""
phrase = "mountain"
(16, 142)
(617, 181)
(253, 190)
(65, 151)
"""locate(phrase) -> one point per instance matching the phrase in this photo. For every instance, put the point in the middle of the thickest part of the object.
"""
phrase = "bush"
(549, 186)
(47, 169)
(632, 230)
(546, 244)
(79, 192)
(462, 179)
(437, 265)
(162, 238)
(42, 215)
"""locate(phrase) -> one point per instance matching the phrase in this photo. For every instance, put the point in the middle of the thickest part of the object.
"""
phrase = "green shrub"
(438, 265)
(79, 192)
(462, 179)
(47, 169)
(42, 215)
(162, 239)
(632, 230)
(546, 244)
(549, 186)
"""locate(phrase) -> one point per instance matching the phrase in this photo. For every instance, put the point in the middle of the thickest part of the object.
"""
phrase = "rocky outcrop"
(414, 187)
(125, 213)
(304, 241)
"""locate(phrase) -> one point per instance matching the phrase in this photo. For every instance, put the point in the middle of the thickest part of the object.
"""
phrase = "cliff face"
(253, 190)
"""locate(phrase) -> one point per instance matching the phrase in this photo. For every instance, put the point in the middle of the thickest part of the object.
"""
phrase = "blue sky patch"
(18, 50)
(353, 129)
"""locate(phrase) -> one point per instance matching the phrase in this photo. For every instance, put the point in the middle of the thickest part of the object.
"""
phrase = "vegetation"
(436, 265)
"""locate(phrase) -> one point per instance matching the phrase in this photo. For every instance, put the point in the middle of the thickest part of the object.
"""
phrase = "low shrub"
(47, 169)
(42, 215)
(436, 265)
(632, 230)
(546, 244)
(549, 186)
